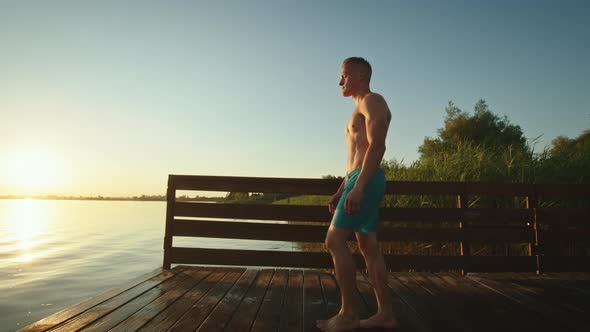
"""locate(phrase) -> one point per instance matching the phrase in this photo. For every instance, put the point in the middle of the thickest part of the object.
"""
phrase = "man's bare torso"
(356, 138)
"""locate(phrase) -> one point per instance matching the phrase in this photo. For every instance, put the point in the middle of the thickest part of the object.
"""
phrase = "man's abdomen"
(356, 156)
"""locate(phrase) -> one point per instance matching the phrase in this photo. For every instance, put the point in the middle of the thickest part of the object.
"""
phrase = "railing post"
(170, 200)
(462, 204)
(532, 203)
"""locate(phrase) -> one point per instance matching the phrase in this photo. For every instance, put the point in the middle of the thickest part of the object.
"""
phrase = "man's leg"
(377, 272)
(345, 268)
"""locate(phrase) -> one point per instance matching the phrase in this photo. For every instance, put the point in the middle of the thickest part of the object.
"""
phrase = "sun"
(31, 171)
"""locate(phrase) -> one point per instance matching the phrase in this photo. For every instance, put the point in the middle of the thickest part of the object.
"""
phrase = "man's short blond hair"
(362, 62)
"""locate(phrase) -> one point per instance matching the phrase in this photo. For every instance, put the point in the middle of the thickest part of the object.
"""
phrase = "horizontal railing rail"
(546, 231)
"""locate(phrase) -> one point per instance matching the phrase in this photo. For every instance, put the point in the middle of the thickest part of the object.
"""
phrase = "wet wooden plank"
(244, 317)
(501, 306)
(130, 308)
(113, 303)
(577, 276)
(476, 311)
(292, 314)
(477, 302)
(559, 302)
(314, 307)
(141, 317)
(443, 299)
(195, 316)
(220, 316)
(569, 284)
(404, 293)
(423, 301)
(170, 315)
(331, 294)
(407, 318)
(236, 299)
(546, 316)
(70, 312)
(269, 314)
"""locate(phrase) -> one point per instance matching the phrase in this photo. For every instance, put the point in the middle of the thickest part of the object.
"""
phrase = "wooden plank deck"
(202, 298)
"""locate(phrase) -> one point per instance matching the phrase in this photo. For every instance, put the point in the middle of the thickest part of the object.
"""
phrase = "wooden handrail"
(329, 186)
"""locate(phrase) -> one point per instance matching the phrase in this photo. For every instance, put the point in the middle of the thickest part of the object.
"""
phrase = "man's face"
(349, 79)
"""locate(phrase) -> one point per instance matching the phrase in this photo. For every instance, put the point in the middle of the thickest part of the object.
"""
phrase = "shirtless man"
(355, 206)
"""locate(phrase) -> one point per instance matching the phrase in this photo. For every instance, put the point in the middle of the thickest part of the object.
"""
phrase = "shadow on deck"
(205, 298)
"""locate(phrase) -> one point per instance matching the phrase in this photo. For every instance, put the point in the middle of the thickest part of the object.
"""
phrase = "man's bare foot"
(338, 323)
(379, 320)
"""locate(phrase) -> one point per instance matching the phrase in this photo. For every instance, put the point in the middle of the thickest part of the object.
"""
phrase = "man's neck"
(358, 96)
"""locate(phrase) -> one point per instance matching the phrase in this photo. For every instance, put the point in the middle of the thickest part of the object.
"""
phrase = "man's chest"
(356, 123)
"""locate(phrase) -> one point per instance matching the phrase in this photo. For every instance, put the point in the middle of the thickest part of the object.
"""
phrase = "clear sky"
(109, 97)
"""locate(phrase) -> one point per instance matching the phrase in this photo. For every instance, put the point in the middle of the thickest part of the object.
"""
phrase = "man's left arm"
(375, 111)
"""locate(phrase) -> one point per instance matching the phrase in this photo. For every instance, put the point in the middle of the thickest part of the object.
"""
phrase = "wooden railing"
(545, 230)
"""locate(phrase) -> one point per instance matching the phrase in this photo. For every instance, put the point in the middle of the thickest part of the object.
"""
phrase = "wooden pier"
(199, 298)
(219, 289)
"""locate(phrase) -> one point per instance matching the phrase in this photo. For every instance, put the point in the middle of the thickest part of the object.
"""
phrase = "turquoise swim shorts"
(367, 219)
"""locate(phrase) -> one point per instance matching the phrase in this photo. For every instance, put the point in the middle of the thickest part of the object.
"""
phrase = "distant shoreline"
(142, 198)
(231, 198)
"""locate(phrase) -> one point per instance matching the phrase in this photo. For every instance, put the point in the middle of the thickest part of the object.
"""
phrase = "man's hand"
(353, 200)
(334, 202)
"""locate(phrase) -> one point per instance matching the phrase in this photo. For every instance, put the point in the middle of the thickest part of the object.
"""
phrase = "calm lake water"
(54, 254)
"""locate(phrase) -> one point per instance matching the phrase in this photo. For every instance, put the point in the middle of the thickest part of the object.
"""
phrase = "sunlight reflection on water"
(54, 254)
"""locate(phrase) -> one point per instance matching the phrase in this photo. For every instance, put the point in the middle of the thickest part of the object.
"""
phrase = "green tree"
(567, 161)
(483, 128)
(476, 147)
